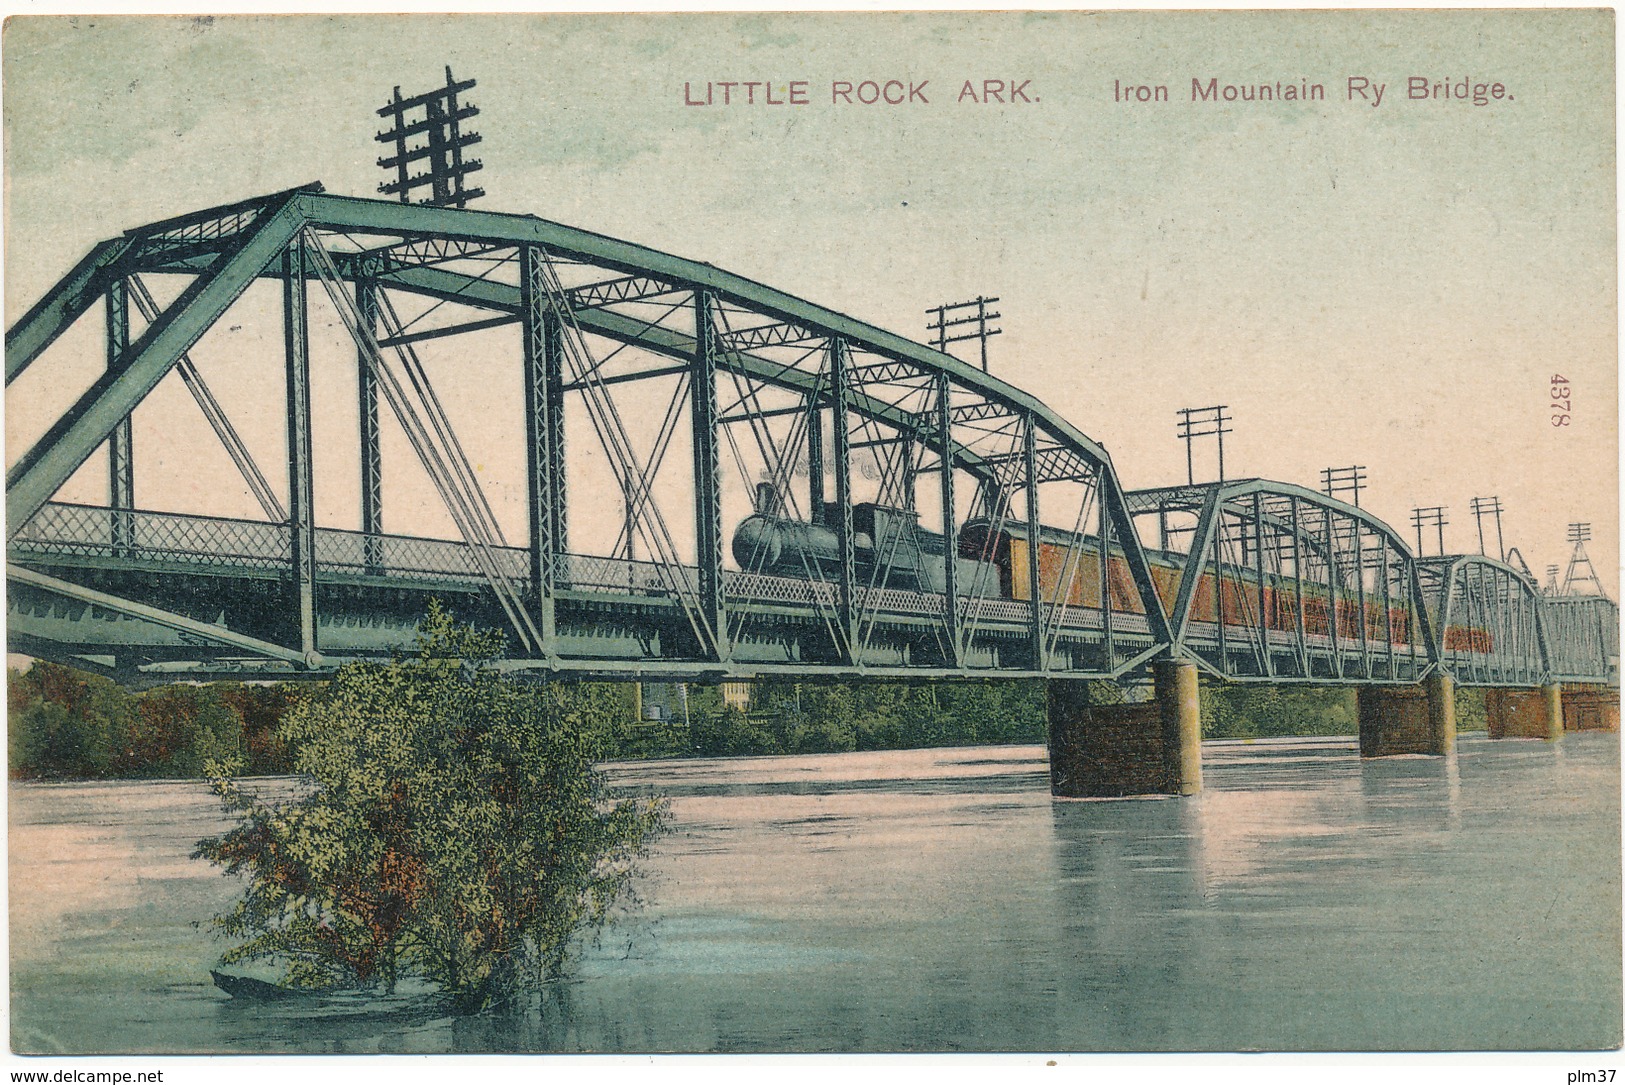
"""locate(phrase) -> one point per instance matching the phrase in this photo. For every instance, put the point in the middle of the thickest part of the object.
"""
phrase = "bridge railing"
(91, 531)
(96, 531)
(410, 556)
(60, 529)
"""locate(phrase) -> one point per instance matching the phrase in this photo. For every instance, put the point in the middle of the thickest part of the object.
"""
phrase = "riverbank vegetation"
(65, 724)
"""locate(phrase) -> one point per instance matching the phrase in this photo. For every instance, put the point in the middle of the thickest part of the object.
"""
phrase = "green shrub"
(66, 724)
(455, 830)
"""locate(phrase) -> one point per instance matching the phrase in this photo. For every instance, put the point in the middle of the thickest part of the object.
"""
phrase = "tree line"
(67, 724)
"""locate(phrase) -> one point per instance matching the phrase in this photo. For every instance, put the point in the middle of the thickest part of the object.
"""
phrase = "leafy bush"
(1265, 711)
(455, 830)
(262, 708)
(726, 731)
(179, 729)
(65, 724)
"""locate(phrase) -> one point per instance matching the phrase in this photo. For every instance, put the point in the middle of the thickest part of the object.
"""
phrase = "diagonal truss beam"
(85, 425)
(179, 622)
(216, 414)
(451, 286)
(66, 302)
(348, 213)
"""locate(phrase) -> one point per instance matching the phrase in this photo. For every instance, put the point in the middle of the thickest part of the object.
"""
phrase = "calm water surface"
(939, 900)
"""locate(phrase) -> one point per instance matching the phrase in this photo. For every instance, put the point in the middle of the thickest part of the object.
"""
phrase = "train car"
(893, 551)
(1070, 573)
(1065, 572)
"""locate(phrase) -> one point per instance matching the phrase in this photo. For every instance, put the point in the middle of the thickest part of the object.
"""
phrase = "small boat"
(257, 990)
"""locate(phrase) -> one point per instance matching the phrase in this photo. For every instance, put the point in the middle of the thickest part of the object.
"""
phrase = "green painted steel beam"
(1115, 504)
(253, 245)
(69, 442)
(168, 619)
(63, 304)
(1452, 568)
(347, 213)
(708, 534)
(451, 286)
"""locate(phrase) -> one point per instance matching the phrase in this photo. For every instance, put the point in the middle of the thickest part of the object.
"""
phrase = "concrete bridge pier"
(1113, 750)
(1590, 708)
(1525, 713)
(1408, 719)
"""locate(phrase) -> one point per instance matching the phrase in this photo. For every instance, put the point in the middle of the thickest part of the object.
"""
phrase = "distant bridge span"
(720, 480)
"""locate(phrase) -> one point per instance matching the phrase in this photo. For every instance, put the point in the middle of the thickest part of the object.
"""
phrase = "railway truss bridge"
(641, 466)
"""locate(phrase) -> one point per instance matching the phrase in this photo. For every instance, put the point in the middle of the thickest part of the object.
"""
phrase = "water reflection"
(938, 901)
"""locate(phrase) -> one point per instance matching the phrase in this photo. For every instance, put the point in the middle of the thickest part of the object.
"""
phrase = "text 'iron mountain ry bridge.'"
(722, 481)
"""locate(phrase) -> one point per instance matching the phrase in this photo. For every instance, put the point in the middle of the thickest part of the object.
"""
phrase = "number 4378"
(1562, 405)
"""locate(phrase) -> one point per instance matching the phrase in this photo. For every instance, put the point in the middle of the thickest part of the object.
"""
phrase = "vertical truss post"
(1413, 620)
(1543, 645)
(1359, 597)
(1481, 619)
(1218, 587)
(1106, 580)
(950, 525)
(1035, 623)
(1387, 606)
(815, 458)
(120, 444)
(553, 344)
(301, 515)
(1331, 596)
(1297, 590)
(1503, 629)
(1531, 635)
(842, 441)
(542, 461)
(372, 476)
(1258, 572)
(907, 470)
(707, 475)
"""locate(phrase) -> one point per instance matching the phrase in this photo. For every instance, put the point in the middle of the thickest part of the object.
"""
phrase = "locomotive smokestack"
(767, 499)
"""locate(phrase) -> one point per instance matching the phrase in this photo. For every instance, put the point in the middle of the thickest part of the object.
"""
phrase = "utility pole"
(1581, 571)
(436, 117)
(959, 314)
(1335, 481)
(1197, 422)
(1481, 507)
(1431, 516)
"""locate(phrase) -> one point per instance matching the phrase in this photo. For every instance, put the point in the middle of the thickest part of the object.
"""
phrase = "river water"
(938, 900)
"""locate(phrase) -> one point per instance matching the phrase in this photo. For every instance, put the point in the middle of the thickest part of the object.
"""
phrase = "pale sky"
(1391, 286)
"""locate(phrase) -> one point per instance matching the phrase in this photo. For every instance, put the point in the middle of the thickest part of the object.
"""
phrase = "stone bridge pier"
(1525, 713)
(1113, 750)
(1590, 707)
(1418, 719)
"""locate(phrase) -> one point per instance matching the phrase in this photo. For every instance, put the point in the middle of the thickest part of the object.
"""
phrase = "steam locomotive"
(893, 551)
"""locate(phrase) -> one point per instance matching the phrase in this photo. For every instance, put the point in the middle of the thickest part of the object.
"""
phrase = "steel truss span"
(718, 479)
(1273, 582)
(1492, 623)
(705, 477)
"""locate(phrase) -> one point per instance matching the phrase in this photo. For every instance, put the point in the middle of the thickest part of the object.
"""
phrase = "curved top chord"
(597, 312)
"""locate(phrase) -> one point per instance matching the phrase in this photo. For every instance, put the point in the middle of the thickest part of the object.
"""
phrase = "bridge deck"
(205, 559)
